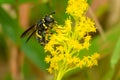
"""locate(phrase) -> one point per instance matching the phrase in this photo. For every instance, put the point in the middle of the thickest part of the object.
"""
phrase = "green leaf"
(116, 54)
(7, 1)
(35, 52)
(24, 1)
(9, 25)
(17, 1)
(109, 74)
(3, 46)
(89, 1)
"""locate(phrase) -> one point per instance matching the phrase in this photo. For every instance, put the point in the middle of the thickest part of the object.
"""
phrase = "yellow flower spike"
(86, 43)
(77, 7)
(96, 56)
(75, 60)
(53, 53)
(68, 40)
(60, 49)
(48, 47)
(54, 66)
(61, 57)
(48, 59)
(68, 25)
(81, 63)
(50, 70)
(89, 64)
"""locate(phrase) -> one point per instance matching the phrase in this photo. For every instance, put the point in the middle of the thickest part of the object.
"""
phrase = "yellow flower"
(69, 39)
(81, 63)
(48, 59)
(76, 8)
(50, 70)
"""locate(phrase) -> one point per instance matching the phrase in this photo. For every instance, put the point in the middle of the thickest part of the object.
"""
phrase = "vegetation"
(26, 61)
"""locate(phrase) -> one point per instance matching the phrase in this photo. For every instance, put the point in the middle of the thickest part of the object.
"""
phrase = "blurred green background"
(25, 61)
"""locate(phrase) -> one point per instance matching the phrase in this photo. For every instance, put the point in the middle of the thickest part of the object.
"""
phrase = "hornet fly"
(41, 29)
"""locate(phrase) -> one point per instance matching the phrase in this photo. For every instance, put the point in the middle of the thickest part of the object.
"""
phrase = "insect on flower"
(41, 28)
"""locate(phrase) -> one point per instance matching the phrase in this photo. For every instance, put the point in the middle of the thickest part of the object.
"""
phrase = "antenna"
(52, 12)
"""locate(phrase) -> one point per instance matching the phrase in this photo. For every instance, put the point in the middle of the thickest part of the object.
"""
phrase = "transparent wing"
(25, 33)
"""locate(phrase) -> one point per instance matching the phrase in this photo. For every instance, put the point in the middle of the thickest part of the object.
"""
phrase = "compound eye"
(49, 19)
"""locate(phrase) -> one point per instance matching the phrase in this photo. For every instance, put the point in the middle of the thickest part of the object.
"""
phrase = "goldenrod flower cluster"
(69, 39)
(77, 8)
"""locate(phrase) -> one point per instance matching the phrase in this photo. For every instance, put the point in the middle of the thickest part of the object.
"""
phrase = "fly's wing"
(30, 35)
(27, 31)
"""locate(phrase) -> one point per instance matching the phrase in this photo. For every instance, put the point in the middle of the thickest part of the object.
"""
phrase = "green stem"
(60, 74)
(59, 77)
